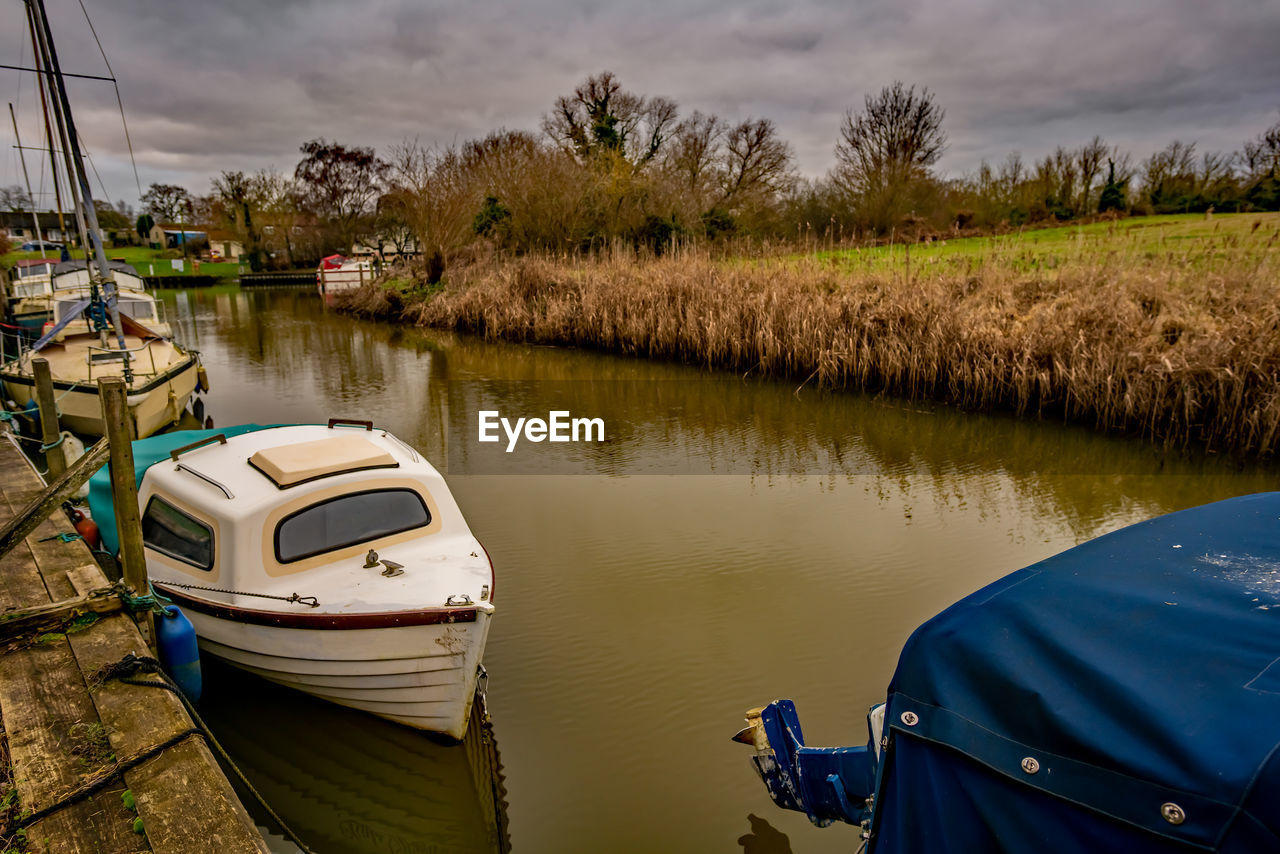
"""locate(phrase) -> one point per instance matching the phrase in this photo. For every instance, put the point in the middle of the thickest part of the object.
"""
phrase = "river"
(733, 540)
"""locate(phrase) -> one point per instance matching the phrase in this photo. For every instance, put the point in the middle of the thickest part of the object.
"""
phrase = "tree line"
(612, 166)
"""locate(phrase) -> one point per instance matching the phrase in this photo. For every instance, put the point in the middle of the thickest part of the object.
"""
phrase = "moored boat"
(1123, 696)
(30, 290)
(83, 346)
(337, 273)
(330, 559)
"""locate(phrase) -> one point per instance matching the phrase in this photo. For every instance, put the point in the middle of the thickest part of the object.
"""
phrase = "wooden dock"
(282, 279)
(65, 730)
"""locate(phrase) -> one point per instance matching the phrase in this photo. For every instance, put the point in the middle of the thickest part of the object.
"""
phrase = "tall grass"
(1180, 344)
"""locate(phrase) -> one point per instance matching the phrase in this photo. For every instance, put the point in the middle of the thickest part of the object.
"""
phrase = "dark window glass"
(348, 520)
(169, 531)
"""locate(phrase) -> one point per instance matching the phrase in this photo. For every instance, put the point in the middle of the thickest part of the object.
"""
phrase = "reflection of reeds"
(1180, 346)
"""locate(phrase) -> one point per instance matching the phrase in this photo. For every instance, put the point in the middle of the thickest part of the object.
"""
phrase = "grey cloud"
(241, 84)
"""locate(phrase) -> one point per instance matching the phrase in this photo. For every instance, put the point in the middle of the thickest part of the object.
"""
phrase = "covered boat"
(326, 558)
(1121, 696)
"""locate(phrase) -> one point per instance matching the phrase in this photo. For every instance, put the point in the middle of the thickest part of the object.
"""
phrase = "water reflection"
(346, 781)
(764, 838)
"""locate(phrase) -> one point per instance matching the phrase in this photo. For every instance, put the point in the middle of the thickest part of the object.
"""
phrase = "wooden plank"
(52, 558)
(20, 581)
(52, 616)
(27, 519)
(185, 801)
(56, 744)
(100, 823)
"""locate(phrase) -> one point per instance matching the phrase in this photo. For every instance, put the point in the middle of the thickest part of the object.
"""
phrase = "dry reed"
(1178, 348)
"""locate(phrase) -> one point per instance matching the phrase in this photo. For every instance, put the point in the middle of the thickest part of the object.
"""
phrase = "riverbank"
(1174, 338)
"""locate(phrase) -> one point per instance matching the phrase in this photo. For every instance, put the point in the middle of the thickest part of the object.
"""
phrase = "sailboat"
(90, 337)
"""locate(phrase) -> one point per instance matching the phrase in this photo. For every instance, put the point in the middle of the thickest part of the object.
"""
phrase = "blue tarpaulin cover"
(1121, 696)
(146, 453)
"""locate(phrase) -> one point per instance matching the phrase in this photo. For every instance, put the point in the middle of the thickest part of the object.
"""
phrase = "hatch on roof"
(289, 465)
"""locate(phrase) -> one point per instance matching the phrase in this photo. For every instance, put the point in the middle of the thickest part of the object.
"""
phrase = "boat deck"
(62, 731)
(148, 358)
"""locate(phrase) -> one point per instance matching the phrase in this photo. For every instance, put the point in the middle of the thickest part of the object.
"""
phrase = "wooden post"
(54, 458)
(124, 490)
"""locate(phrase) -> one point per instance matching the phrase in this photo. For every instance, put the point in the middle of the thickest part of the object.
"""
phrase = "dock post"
(54, 458)
(124, 490)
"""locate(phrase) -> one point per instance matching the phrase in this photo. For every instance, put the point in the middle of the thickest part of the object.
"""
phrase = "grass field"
(1163, 327)
(148, 262)
(1139, 239)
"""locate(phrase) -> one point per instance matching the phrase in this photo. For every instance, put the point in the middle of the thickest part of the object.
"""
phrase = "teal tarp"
(146, 453)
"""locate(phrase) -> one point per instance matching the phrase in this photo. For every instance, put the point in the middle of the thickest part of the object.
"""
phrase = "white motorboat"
(329, 559)
(337, 273)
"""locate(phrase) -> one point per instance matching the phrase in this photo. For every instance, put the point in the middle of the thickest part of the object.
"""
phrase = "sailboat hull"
(153, 402)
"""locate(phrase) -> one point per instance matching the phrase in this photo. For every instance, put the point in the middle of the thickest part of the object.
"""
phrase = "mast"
(87, 215)
(48, 131)
(35, 217)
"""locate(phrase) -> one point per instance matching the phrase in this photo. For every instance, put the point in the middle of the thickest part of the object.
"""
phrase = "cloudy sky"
(240, 84)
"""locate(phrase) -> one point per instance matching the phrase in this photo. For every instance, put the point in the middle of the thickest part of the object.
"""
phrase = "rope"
(119, 102)
(63, 537)
(44, 449)
(100, 782)
(139, 602)
(127, 668)
(309, 601)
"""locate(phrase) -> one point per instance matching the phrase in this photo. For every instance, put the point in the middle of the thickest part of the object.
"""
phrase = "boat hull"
(423, 676)
(152, 405)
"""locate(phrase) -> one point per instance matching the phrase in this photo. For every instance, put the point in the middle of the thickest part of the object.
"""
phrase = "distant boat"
(337, 273)
(30, 292)
(328, 559)
(1123, 696)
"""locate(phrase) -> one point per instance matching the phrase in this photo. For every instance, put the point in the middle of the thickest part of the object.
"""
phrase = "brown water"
(732, 542)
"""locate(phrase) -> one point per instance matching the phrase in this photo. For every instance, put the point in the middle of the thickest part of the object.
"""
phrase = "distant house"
(170, 236)
(389, 249)
(225, 243)
(19, 228)
(221, 242)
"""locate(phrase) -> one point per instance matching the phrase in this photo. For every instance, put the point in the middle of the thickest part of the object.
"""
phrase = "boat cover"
(1121, 696)
(146, 453)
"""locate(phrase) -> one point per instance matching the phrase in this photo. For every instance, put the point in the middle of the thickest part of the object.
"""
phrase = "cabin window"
(172, 532)
(348, 520)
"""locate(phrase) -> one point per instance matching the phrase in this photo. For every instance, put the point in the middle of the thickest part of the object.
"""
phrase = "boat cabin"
(262, 509)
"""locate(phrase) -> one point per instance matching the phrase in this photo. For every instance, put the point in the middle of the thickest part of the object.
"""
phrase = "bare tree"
(692, 153)
(1261, 156)
(432, 195)
(1089, 160)
(166, 202)
(601, 117)
(756, 162)
(14, 198)
(888, 148)
(340, 186)
(1169, 177)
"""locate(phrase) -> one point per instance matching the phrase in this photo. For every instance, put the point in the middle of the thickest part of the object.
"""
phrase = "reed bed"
(1179, 344)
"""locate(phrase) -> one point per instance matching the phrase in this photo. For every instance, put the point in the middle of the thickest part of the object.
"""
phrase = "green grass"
(1138, 240)
(148, 262)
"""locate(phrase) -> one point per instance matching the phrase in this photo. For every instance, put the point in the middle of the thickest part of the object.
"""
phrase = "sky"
(241, 84)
